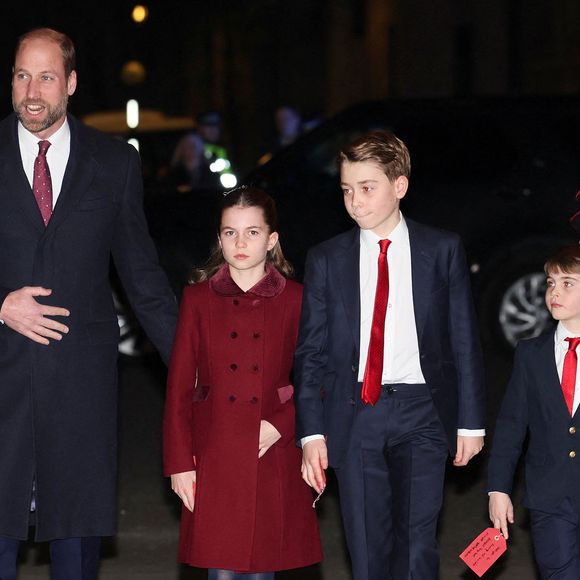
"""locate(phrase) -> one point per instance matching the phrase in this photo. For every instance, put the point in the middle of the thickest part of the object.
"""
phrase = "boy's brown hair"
(380, 147)
(565, 259)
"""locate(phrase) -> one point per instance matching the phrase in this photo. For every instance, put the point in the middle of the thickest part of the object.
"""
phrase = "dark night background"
(244, 57)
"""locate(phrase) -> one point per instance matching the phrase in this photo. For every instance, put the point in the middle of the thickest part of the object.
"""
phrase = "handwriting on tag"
(484, 551)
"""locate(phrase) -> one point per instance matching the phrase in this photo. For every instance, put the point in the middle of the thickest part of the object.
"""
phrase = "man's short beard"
(54, 114)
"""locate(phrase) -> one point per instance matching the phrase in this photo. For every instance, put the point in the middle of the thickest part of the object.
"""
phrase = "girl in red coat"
(229, 416)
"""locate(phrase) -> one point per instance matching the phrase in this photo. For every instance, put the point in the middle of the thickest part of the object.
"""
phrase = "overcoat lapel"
(422, 261)
(347, 260)
(78, 175)
(13, 178)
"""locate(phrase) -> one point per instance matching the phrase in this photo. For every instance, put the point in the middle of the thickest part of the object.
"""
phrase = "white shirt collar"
(562, 334)
(399, 234)
(30, 141)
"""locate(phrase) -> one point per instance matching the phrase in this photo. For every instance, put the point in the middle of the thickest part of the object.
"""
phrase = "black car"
(502, 173)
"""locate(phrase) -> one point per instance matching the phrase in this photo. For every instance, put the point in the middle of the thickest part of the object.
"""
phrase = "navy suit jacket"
(327, 356)
(534, 407)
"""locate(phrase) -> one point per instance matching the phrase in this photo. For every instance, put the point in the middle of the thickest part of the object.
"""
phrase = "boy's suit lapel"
(543, 366)
(422, 261)
(348, 273)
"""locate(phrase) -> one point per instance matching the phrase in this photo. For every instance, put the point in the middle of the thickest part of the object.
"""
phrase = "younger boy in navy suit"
(541, 402)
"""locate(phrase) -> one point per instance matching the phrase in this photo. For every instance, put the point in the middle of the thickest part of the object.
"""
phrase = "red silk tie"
(569, 372)
(42, 183)
(373, 377)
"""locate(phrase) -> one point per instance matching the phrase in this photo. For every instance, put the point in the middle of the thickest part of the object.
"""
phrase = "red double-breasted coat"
(230, 369)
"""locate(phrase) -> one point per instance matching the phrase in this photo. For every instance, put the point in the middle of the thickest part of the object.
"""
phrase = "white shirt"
(560, 350)
(56, 156)
(401, 363)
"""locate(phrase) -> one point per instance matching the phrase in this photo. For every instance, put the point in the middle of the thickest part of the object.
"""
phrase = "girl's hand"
(183, 484)
(268, 436)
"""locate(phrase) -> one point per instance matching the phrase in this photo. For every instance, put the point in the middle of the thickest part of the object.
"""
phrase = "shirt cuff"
(471, 432)
(305, 440)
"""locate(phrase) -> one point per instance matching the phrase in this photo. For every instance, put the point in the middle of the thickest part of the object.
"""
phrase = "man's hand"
(268, 436)
(467, 449)
(22, 313)
(183, 484)
(314, 462)
(501, 511)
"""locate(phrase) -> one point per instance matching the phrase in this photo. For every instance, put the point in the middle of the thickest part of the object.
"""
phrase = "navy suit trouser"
(391, 486)
(556, 538)
(70, 558)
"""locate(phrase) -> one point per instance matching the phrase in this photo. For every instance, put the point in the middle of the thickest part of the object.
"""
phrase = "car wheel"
(522, 310)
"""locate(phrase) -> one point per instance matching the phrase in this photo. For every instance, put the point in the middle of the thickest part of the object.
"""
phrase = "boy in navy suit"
(541, 402)
(388, 367)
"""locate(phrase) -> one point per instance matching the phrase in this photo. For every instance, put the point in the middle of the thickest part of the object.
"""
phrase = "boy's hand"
(467, 449)
(501, 511)
(314, 462)
(183, 484)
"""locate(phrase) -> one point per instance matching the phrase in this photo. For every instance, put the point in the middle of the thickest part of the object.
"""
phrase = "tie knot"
(43, 147)
(384, 245)
(573, 342)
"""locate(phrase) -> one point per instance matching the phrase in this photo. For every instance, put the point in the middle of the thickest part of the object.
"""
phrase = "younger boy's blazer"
(534, 404)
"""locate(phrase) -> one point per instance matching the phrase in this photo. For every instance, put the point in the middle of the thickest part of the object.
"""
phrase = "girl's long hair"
(246, 196)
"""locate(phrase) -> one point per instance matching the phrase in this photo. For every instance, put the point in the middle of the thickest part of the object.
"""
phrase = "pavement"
(145, 548)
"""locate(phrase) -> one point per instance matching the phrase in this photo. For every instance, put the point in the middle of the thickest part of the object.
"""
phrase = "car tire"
(512, 307)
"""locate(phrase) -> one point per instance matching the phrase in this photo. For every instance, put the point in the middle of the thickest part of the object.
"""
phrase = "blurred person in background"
(189, 168)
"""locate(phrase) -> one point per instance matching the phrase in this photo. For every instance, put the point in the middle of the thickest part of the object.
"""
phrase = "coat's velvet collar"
(270, 285)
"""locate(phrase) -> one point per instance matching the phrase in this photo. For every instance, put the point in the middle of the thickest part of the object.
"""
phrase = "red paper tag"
(484, 551)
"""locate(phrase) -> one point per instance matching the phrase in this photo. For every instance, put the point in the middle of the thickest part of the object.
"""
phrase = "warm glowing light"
(134, 142)
(140, 13)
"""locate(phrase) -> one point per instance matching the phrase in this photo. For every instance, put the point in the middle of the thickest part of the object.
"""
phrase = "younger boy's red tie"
(373, 376)
(42, 183)
(569, 372)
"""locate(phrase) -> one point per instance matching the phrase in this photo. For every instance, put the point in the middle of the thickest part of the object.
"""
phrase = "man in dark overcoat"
(65, 209)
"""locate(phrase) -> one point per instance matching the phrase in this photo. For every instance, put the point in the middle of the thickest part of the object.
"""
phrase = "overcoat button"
(572, 430)
(233, 366)
(232, 398)
(572, 454)
(235, 301)
(254, 400)
(255, 368)
(234, 334)
(257, 335)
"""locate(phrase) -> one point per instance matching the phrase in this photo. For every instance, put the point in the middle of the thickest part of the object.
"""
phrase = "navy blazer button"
(572, 430)
(352, 401)
(234, 334)
(572, 454)
(353, 368)
(233, 366)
